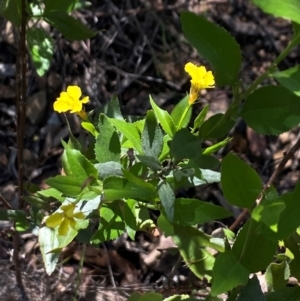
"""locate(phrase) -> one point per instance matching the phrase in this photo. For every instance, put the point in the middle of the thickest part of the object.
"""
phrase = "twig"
(111, 275)
(272, 179)
(20, 127)
(4, 201)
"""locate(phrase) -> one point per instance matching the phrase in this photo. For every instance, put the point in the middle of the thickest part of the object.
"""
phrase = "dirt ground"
(139, 49)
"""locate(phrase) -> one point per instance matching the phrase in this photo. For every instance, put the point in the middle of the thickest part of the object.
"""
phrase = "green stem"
(183, 116)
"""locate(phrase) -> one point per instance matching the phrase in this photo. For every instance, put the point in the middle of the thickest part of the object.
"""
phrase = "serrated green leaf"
(130, 131)
(113, 108)
(228, 273)
(215, 44)
(164, 118)
(51, 193)
(189, 212)
(78, 166)
(178, 110)
(70, 27)
(288, 9)
(241, 185)
(41, 47)
(185, 146)
(277, 275)
(265, 106)
(150, 162)
(109, 169)
(152, 136)
(254, 250)
(167, 197)
(107, 147)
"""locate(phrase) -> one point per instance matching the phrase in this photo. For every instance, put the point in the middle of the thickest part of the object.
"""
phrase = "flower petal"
(74, 92)
(64, 103)
(64, 227)
(85, 99)
(54, 219)
(79, 215)
(72, 223)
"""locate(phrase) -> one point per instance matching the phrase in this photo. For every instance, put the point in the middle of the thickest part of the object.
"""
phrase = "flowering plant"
(130, 167)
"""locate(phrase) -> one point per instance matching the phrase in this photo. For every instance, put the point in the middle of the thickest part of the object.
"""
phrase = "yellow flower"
(64, 219)
(69, 101)
(201, 79)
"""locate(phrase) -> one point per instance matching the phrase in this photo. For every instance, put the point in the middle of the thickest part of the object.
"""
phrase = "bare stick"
(20, 127)
(272, 179)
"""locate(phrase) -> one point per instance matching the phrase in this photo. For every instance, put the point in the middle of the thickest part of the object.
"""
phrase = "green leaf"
(109, 169)
(12, 12)
(36, 202)
(189, 212)
(192, 244)
(113, 108)
(41, 47)
(58, 5)
(13, 215)
(248, 247)
(152, 136)
(48, 241)
(67, 185)
(150, 162)
(285, 294)
(240, 183)
(178, 110)
(51, 193)
(215, 44)
(88, 126)
(268, 212)
(130, 218)
(252, 291)
(167, 197)
(277, 275)
(216, 127)
(77, 166)
(116, 188)
(228, 273)
(185, 146)
(70, 27)
(111, 223)
(151, 297)
(289, 219)
(290, 79)
(107, 147)
(130, 131)
(200, 118)
(164, 118)
(215, 147)
(288, 9)
(164, 224)
(292, 243)
(265, 106)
